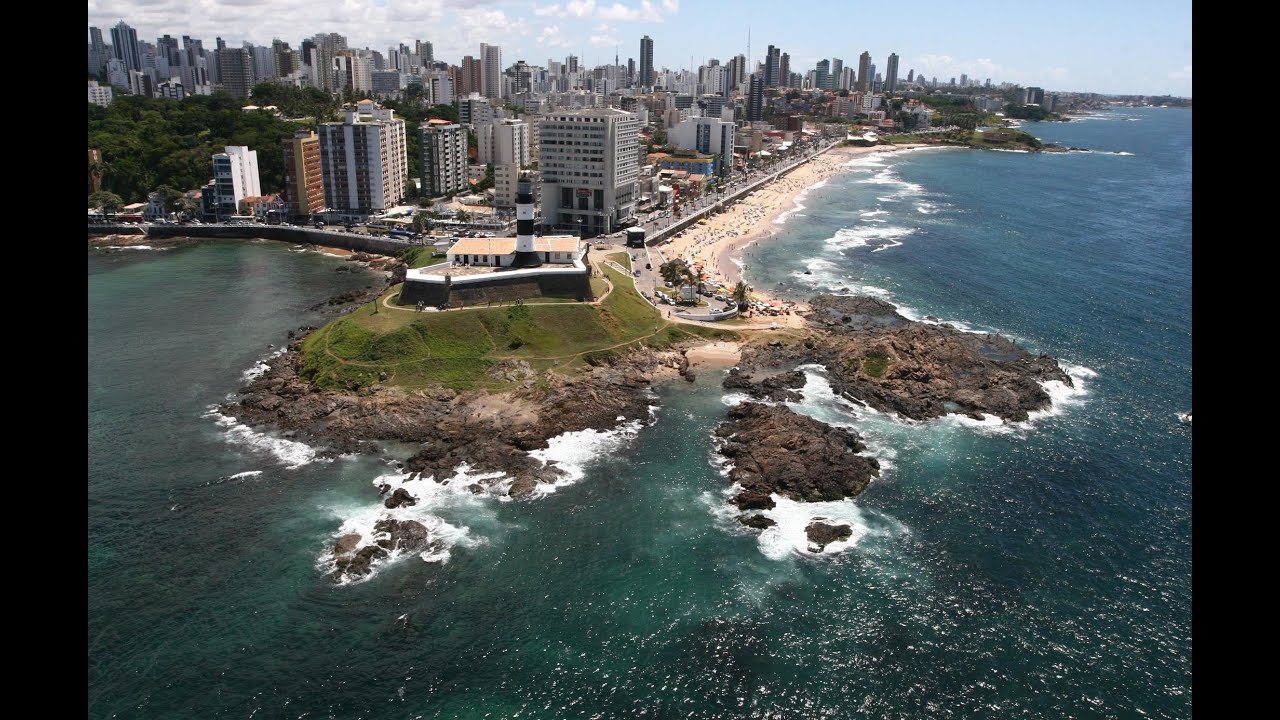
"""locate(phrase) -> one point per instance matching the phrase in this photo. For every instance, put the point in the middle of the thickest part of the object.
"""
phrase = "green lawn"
(418, 257)
(457, 348)
(621, 258)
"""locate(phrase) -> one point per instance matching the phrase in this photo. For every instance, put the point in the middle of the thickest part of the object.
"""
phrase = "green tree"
(422, 222)
(672, 271)
(171, 198)
(106, 201)
(463, 216)
(740, 295)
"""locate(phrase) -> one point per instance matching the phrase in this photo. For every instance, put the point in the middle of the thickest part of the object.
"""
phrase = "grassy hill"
(460, 349)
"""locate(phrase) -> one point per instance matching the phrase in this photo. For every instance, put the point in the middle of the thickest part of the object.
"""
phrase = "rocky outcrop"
(875, 356)
(398, 498)
(352, 561)
(758, 522)
(822, 534)
(775, 450)
(774, 388)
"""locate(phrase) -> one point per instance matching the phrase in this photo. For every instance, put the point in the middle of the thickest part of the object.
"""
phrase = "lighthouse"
(526, 250)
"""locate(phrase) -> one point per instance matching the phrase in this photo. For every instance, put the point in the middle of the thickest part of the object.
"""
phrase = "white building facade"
(235, 177)
(444, 158)
(589, 161)
(364, 160)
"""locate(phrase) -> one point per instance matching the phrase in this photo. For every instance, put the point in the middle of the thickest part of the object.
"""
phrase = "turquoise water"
(1030, 571)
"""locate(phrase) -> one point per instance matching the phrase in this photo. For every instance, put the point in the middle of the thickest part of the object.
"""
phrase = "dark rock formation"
(918, 370)
(775, 450)
(757, 521)
(398, 498)
(754, 501)
(775, 388)
(821, 534)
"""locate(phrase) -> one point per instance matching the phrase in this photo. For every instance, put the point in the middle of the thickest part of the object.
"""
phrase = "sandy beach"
(720, 244)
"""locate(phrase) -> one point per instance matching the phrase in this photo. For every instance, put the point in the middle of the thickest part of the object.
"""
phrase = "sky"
(1106, 46)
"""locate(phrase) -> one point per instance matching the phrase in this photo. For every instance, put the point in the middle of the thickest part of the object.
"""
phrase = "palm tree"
(672, 271)
(740, 295)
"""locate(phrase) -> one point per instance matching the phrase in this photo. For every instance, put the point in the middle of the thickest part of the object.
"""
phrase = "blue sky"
(1089, 45)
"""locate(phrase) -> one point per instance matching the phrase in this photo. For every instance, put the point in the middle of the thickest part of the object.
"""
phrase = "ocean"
(1038, 570)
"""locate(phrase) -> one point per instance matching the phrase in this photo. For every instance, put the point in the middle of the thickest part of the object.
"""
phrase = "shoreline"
(721, 244)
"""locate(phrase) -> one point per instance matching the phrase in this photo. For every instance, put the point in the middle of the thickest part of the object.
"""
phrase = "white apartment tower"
(444, 158)
(506, 144)
(235, 177)
(589, 162)
(364, 159)
(491, 70)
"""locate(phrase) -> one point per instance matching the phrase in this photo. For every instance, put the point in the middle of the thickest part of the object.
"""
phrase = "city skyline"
(1134, 48)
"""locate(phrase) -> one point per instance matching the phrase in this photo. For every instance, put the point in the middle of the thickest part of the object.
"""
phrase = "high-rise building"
(837, 69)
(707, 135)
(282, 59)
(425, 51)
(363, 159)
(646, 62)
(822, 75)
(474, 110)
(755, 98)
(491, 70)
(327, 48)
(773, 67)
(167, 48)
(911, 75)
(505, 144)
(235, 177)
(468, 77)
(784, 70)
(589, 160)
(631, 71)
(352, 72)
(303, 185)
(1035, 96)
(444, 158)
(864, 72)
(99, 94)
(891, 73)
(98, 55)
(124, 45)
(236, 71)
(503, 141)
(964, 80)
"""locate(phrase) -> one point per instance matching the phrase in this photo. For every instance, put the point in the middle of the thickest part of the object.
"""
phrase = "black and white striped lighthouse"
(526, 250)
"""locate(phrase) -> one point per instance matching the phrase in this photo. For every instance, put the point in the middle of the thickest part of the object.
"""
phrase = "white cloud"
(1059, 73)
(604, 36)
(550, 37)
(1183, 74)
(572, 8)
(617, 11)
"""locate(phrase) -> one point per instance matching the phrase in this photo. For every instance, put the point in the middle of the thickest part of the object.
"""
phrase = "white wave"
(798, 201)
(132, 247)
(290, 452)
(573, 451)
(866, 235)
(892, 244)
(872, 213)
(261, 366)
(247, 473)
(1121, 152)
(926, 208)
(1009, 150)
(433, 498)
(1063, 396)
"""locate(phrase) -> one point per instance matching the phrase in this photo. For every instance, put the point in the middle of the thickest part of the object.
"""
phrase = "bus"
(403, 234)
(375, 229)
